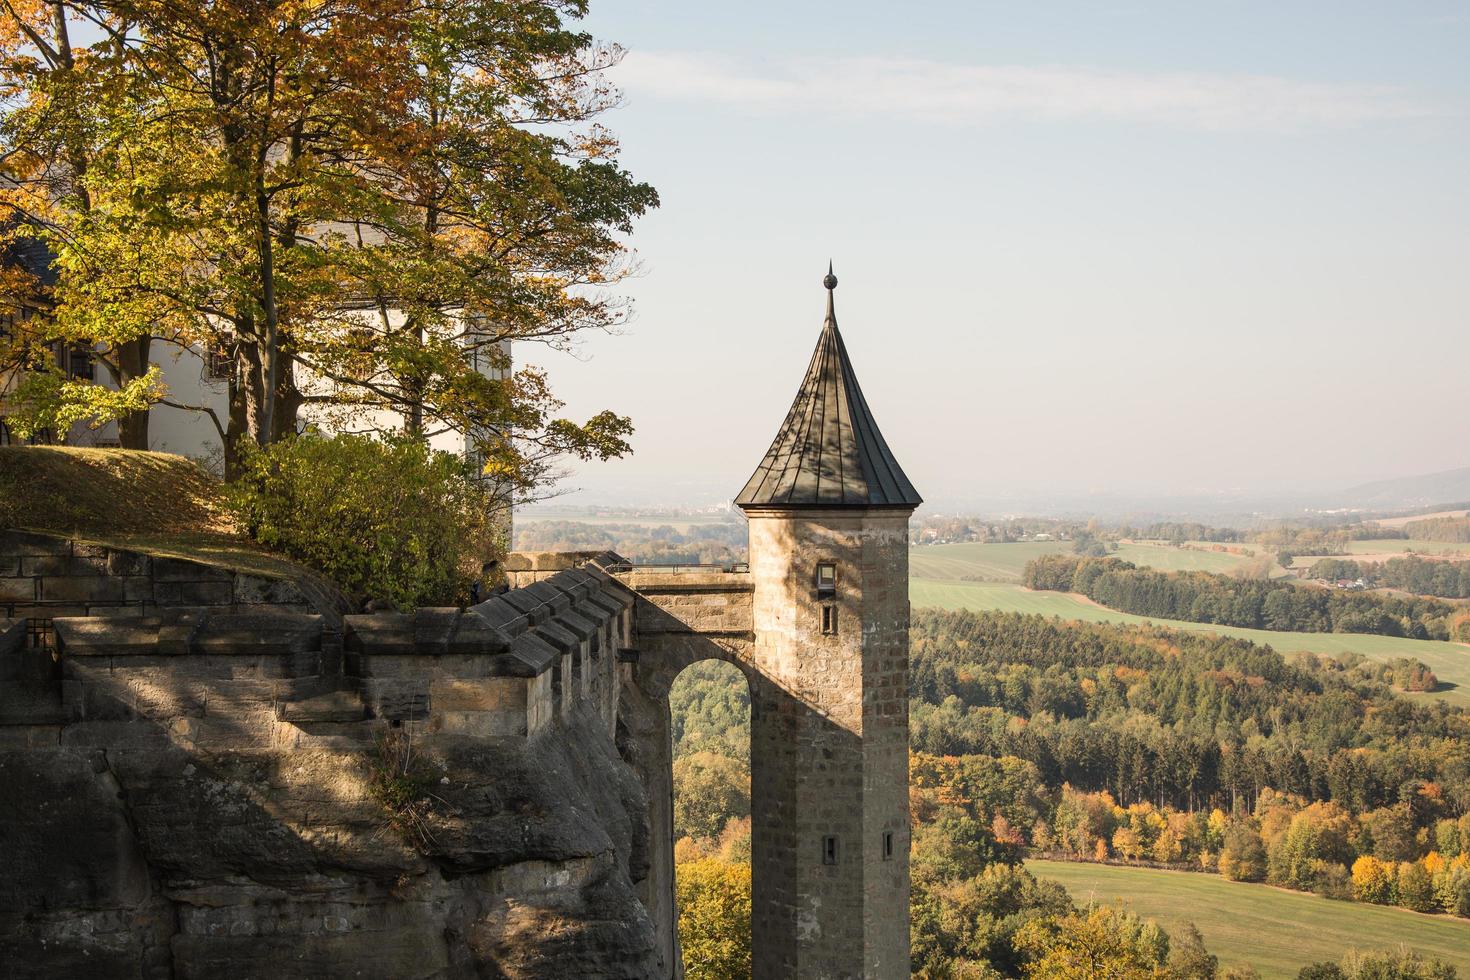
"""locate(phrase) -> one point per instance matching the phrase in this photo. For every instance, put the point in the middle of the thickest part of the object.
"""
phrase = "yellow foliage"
(714, 919)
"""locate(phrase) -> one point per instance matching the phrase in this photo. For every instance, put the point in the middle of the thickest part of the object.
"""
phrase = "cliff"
(254, 793)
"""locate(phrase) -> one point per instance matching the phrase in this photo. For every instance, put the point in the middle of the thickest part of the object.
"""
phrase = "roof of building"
(829, 452)
(33, 256)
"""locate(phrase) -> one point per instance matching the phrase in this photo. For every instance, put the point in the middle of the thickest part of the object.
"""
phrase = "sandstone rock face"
(228, 794)
(129, 855)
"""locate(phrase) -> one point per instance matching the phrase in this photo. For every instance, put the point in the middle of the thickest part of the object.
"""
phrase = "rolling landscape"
(444, 534)
(1249, 924)
(1272, 930)
(988, 577)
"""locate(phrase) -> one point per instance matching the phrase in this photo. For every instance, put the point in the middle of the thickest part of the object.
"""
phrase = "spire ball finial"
(829, 280)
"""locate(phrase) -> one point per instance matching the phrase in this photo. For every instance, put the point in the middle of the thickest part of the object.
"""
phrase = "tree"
(709, 789)
(1373, 880)
(1243, 857)
(1188, 957)
(354, 199)
(714, 919)
(1104, 944)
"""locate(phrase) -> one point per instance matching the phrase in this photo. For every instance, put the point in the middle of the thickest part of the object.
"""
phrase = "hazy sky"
(1089, 246)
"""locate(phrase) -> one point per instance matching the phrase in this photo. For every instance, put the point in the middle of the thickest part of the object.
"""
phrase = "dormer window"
(826, 579)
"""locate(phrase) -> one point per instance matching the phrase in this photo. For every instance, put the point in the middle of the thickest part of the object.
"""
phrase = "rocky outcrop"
(199, 795)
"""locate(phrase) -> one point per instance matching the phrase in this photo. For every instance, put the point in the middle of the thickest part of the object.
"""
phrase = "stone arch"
(680, 619)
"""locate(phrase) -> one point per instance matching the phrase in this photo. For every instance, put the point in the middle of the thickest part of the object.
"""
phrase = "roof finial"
(829, 280)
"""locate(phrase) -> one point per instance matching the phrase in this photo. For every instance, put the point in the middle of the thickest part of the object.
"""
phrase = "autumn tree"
(359, 203)
(714, 919)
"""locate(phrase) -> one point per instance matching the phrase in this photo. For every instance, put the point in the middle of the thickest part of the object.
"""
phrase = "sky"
(1082, 247)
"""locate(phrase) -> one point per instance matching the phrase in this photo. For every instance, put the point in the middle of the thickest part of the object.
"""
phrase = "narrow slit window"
(826, 579)
(888, 845)
(829, 850)
(829, 620)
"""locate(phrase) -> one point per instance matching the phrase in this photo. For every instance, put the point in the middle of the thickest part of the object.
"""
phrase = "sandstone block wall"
(205, 792)
(48, 575)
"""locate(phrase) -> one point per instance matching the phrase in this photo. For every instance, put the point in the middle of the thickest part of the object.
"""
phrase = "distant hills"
(1409, 492)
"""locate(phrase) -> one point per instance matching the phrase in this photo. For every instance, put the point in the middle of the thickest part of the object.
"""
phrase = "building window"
(826, 579)
(888, 845)
(829, 620)
(218, 362)
(79, 362)
(829, 850)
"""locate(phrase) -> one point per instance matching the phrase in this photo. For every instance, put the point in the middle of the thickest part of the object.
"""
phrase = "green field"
(1006, 562)
(1449, 661)
(1389, 546)
(1275, 931)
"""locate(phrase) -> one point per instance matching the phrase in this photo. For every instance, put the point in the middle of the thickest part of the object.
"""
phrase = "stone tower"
(828, 508)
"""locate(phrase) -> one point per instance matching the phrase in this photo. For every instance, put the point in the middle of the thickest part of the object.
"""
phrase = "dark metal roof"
(31, 255)
(829, 452)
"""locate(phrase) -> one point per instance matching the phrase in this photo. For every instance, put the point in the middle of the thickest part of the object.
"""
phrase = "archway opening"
(709, 706)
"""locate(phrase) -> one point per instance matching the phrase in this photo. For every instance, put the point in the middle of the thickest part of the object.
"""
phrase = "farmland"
(1273, 930)
(1449, 661)
(1005, 562)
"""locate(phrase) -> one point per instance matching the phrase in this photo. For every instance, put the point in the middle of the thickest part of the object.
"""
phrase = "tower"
(828, 508)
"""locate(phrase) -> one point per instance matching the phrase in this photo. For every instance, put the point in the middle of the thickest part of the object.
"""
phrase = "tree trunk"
(132, 362)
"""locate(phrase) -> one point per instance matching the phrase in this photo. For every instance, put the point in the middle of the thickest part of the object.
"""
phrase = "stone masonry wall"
(829, 745)
(43, 576)
(205, 792)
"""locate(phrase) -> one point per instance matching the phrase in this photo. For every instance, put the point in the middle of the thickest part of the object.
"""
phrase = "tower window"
(888, 845)
(826, 579)
(829, 620)
(829, 850)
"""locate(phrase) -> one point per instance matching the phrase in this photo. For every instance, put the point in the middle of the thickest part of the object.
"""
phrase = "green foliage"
(1103, 944)
(714, 919)
(709, 791)
(48, 400)
(1258, 603)
(388, 519)
(1188, 957)
(401, 782)
(1422, 576)
(1243, 857)
(710, 705)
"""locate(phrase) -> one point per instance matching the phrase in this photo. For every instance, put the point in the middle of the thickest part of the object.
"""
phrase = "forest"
(1421, 576)
(1126, 744)
(1203, 597)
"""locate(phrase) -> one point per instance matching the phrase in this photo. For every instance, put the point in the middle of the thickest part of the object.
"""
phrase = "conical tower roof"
(829, 452)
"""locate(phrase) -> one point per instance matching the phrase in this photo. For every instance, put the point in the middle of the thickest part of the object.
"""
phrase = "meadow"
(1004, 562)
(937, 582)
(1273, 930)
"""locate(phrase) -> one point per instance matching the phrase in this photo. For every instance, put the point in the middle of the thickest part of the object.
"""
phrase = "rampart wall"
(209, 790)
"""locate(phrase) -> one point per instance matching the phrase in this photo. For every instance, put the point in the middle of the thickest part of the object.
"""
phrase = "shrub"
(387, 519)
(1402, 964)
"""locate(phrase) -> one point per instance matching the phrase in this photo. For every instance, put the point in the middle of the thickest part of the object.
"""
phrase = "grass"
(1449, 661)
(110, 491)
(1389, 546)
(156, 503)
(1004, 562)
(1275, 931)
